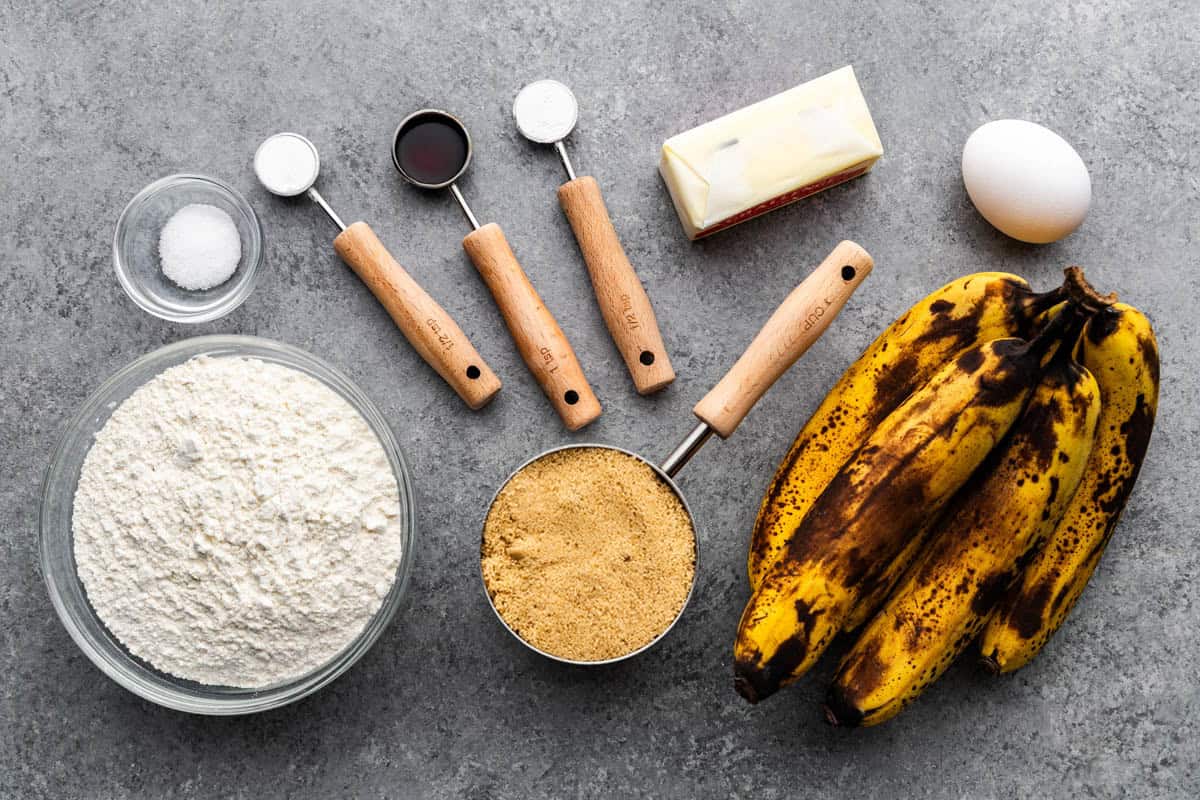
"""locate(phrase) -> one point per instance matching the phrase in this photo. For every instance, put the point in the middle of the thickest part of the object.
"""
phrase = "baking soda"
(199, 247)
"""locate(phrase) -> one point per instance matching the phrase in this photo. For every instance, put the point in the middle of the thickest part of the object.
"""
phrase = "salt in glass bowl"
(136, 257)
(57, 541)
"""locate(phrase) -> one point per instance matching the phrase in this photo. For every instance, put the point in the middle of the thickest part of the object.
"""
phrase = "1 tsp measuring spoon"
(431, 149)
(546, 112)
(287, 165)
(796, 324)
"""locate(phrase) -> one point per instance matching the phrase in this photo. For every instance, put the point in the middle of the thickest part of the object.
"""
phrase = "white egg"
(1026, 180)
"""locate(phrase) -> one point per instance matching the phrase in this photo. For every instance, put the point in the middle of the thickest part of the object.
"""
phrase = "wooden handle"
(426, 325)
(623, 301)
(796, 324)
(545, 349)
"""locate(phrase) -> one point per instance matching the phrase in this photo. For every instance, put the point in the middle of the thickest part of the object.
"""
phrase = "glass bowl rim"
(239, 287)
(178, 696)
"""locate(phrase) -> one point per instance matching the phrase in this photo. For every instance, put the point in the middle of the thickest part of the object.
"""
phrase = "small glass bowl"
(57, 546)
(135, 249)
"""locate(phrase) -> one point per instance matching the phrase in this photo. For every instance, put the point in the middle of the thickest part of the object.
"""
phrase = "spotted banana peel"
(914, 460)
(975, 553)
(963, 313)
(1119, 348)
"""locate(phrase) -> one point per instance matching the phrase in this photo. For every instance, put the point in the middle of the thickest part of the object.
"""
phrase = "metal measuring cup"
(287, 165)
(788, 333)
(540, 340)
(546, 112)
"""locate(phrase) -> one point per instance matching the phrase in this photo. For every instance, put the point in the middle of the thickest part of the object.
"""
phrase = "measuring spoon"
(287, 165)
(431, 149)
(796, 324)
(546, 113)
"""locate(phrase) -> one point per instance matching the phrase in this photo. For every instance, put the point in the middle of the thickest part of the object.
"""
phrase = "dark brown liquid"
(431, 149)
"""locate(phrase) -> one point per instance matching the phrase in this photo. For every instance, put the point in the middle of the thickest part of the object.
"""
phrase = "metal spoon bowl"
(546, 112)
(287, 164)
(431, 115)
(406, 126)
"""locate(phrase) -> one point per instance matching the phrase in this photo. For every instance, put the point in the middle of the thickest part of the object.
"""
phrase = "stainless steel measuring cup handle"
(798, 322)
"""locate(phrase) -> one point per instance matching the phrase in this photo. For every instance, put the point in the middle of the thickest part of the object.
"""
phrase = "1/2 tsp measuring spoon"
(431, 149)
(546, 112)
(287, 165)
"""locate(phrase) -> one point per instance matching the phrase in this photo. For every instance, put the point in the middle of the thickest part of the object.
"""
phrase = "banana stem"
(1082, 293)
(1044, 301)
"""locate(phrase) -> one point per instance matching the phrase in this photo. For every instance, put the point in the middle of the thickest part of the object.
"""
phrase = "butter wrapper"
(771, 153)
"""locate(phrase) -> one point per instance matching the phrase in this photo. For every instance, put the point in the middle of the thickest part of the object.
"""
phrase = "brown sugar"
(588, 554)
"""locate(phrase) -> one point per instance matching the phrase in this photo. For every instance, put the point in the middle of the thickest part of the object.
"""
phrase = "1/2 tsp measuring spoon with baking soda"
(287, 165)
(432, 149)
(546, 113)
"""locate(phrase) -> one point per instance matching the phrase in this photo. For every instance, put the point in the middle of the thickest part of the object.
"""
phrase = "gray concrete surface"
(98, 99)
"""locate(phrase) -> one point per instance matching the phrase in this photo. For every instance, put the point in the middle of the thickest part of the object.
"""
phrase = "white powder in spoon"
(199, 247)
(236, 523)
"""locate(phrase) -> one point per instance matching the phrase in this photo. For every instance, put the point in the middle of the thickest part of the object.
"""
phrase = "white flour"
(236, 523)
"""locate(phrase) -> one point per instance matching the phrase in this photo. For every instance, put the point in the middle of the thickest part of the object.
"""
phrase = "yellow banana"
(901, 476)
(873, 600)
(1119, 348)
(973, 309)
(975, 553)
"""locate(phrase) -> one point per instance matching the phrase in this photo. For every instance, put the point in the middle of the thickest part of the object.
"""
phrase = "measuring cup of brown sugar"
(589, 552)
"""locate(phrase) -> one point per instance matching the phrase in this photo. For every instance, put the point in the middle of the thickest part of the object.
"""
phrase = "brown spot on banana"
(961, 314)
(977, 551)
(1119, 349)
(900, 477)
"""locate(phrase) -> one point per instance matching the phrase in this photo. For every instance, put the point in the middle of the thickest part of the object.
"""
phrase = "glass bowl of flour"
(227, 525)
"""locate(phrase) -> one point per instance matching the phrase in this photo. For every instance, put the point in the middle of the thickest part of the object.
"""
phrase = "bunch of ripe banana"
(958, 484)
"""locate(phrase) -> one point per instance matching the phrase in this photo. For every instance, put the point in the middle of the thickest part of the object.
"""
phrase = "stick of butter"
(769, 154)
